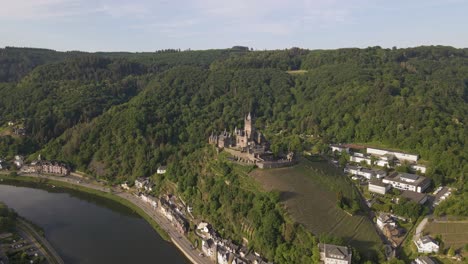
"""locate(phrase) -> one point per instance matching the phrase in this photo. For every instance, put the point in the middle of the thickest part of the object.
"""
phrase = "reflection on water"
(85, 228)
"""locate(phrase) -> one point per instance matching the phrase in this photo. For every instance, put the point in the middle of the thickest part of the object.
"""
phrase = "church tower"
(248, 126)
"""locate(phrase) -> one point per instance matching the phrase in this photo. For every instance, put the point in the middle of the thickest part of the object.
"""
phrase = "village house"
(418, 167)
(125, 186)
(54, 167)
(161, 170)
(332, 254)
(144, 183)
(424, 260)
(364, 172)
(426, 244)
(399, 155)
(339, 148)
(19, 161)
(171, 213)
(209, 248)
(360, 158)
(149, 199)
(385, 219)
(223, 256)
(407, 181)
(377, 186)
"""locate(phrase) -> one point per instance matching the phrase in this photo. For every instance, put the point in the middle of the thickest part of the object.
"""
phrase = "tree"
(451, 252)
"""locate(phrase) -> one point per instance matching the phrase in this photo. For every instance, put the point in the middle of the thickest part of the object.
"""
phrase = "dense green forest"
(119, 116)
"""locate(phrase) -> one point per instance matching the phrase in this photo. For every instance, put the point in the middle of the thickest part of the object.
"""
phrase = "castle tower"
(248, 127)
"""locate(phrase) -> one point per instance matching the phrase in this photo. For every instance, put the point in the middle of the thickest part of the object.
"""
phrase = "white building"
(143, 183)
(223, 256)
(161, 170)
(209, 247)
(426, 244)
(19, 161)
(407, 181)
(331, 254)
(359, 157)
(340, 148)
(424, 260)
(418, 167)
(385, 219)
(150, 200)
(377, 186)
(366, 173)
(398, 155)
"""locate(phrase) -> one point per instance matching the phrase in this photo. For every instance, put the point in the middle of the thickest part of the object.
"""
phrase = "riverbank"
(101, 193)
(155, 219)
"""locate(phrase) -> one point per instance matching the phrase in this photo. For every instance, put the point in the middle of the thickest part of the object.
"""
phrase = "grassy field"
(308, 191)
(453, 233)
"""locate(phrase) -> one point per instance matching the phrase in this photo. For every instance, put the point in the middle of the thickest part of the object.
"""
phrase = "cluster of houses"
(42, 166)
(224, 251)
(381, 157)
(173, 213)
(390, 228)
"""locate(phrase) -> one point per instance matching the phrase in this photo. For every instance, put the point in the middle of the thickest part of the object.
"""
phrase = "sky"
(149, 25)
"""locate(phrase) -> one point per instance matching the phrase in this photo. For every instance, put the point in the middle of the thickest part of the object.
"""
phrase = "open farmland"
(454, 233)
(308, 191)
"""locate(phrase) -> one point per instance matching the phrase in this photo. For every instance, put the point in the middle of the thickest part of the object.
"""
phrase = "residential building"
(359, 157)
(399, 155)
(426, 244)
(19, 161)
(332, 254)
(407, 181)
(364, 172)
(418, 167)
(377, 186)
(144, 183)
(223, 256)
(161, 170)
(416, 197)
(424, 260)
(209, 248)
(125, 186)
(385, 219)
(340, 148)
(54, 167)
(149, 199)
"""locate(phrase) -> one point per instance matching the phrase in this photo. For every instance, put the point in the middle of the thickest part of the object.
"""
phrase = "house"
(19, 161)
(416, 197)
(399, 155)
(407, 181)
(149, 199)
(204, 227)
(332, 254)
(238, 260)
(418, 167)
(54, 167)
(209, 248)
(364, 172)
(161, 170)
(424, 260)
(426, 244)
(125, 186)
(385, 219)
(223, 256)
(340, 148)
(359, 157)
(144, 183)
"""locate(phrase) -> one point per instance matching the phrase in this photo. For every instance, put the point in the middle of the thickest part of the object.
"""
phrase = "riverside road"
(178, 239)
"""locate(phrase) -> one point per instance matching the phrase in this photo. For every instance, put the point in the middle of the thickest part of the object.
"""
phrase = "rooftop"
(335, 252)
(407, 178)
(413, 196)
(427, 240)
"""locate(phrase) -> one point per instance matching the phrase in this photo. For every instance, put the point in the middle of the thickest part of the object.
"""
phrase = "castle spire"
(249, 117)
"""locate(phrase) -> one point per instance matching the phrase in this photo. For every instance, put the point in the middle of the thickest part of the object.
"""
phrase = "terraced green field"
(308, 191)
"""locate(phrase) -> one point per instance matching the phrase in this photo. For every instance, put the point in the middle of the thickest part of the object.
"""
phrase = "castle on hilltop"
(248, 146)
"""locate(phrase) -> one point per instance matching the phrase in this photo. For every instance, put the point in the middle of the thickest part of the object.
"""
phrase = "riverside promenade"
(179, 240)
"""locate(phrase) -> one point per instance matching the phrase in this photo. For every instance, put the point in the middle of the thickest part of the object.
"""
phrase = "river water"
(85, 228)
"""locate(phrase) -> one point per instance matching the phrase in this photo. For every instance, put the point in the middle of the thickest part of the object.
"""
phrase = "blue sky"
(148, 25)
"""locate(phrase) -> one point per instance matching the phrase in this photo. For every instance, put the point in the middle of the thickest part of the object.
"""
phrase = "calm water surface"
(85, 228)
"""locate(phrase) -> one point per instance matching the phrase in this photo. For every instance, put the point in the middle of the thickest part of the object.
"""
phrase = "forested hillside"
(119, 116)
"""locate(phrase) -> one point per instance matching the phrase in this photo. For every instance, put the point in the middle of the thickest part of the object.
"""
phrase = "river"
(88, 229)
